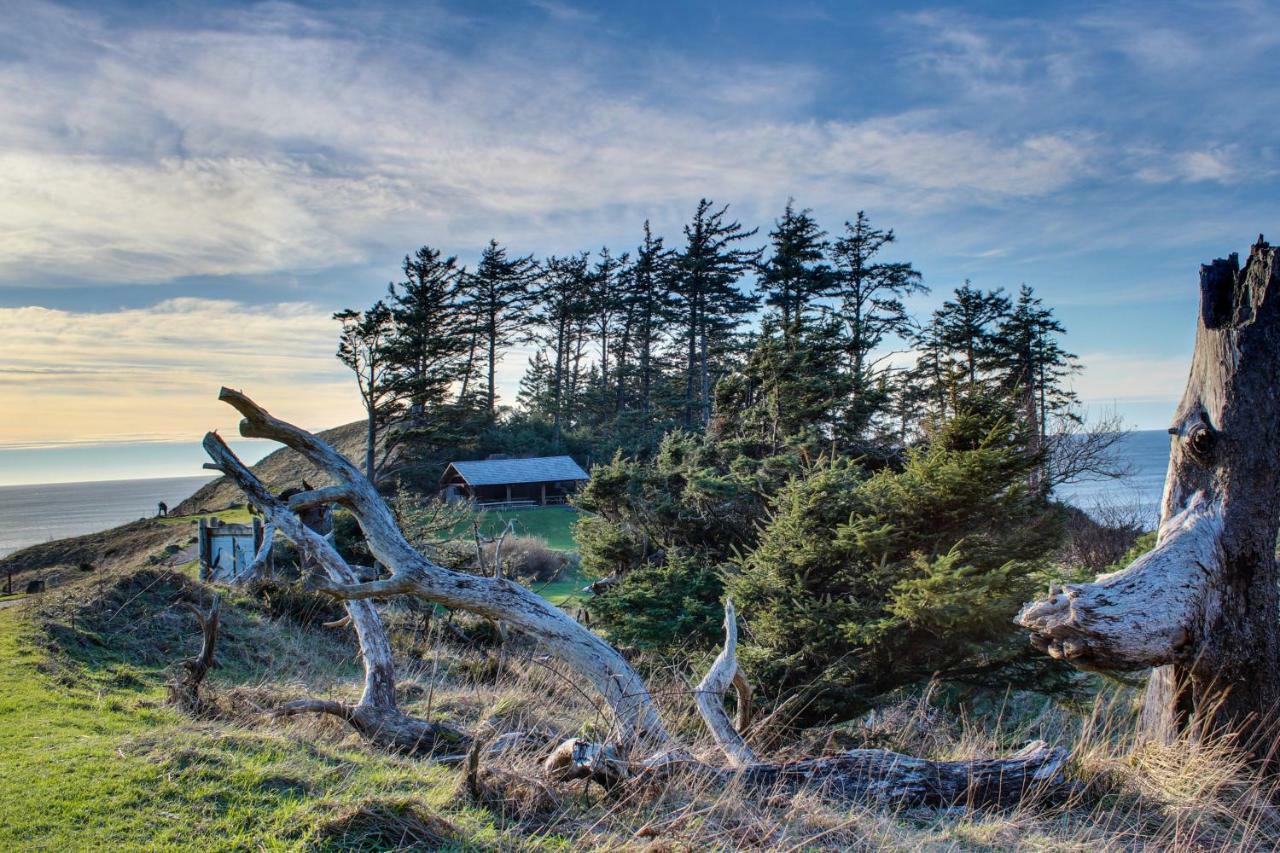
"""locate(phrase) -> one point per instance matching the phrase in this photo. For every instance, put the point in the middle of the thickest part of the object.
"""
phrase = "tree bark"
(1204, 605)
(859, 774)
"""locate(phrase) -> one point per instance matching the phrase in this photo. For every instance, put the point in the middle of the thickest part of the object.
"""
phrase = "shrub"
(863, 584)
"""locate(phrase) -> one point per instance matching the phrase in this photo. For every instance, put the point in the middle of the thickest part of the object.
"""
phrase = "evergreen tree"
(537, 387)
(1033, 368)
(652, 302)
(966, 325)
(606, 305)
(428, 348)
(871, 294)
(795, 274)
(363, 346)
(499, 299)
(711, 302)
(862, 584)
(562, 310)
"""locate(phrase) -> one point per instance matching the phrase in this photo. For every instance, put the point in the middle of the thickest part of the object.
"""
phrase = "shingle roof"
(496, 472)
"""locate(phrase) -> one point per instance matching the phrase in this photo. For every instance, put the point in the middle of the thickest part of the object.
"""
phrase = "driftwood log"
(636, 726)
(1204, 605)
(184, 689)
(376, 716)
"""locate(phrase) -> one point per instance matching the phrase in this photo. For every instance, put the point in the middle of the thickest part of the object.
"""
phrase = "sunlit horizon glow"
(187, 194)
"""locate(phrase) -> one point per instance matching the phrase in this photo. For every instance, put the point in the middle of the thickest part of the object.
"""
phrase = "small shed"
(537, 481)
(227, 550)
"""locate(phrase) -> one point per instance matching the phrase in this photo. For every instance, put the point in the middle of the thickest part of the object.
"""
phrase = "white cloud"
(1125, 377)
(1209, 165)
(280, 144)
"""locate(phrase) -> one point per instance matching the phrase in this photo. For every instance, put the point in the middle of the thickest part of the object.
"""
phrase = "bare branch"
(709, 694)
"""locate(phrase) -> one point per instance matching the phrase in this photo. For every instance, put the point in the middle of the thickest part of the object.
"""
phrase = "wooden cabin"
(513, 483)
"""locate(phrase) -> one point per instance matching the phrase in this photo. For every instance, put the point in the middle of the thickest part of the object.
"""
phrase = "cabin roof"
(498, 472)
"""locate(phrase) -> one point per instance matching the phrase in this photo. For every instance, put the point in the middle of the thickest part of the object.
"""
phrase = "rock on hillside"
(279, 470)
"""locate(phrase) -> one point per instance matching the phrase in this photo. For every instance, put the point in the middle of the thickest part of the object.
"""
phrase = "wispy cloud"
(274, 144)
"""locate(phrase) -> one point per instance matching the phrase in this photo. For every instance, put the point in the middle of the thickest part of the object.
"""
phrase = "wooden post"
(203, 548)
(508, 493)
(1204, 605)
(544, 493)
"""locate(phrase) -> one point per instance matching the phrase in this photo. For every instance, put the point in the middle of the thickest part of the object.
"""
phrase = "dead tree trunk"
(376, 716)
(1204, 605)
(184, 690)
(411, 573)
(860, 773)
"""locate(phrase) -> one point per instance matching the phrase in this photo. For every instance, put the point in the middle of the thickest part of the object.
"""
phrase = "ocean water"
(1146, 453)
(30, 515)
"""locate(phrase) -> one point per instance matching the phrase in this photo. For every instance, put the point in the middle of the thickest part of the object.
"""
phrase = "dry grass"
(310, 782)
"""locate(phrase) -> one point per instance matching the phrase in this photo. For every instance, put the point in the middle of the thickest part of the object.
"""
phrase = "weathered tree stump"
(1204, 605)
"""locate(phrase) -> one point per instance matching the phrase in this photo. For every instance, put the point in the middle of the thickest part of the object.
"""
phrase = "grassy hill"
(280, 469)
(95, 758)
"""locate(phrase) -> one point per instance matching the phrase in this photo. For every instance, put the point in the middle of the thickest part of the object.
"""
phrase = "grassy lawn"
(97, 761)
(553, 524)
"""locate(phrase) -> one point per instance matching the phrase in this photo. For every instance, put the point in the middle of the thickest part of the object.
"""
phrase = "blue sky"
(187, 191)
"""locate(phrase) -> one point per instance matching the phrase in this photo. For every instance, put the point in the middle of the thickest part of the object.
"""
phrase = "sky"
(188, 191)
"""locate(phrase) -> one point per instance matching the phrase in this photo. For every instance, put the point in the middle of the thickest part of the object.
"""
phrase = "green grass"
(554, 525)
(87, 765)
(240, 515)
(564, 591)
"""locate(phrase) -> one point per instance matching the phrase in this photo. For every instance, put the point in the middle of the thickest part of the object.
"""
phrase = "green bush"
(864, 584)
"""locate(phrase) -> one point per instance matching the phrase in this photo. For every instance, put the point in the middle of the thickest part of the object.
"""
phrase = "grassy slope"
(101, 762)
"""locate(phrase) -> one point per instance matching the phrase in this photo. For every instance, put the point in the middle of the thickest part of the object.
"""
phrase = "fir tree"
(871, 294)
(711, 302)
(499, 295)
(363, 346)
(428, 347)
(795, 274)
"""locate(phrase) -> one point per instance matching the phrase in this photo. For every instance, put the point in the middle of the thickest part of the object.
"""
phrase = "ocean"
(1136, 496)
(33, 514)
(30, 515)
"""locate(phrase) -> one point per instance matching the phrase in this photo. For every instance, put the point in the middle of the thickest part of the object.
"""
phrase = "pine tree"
(712, 304)
(561, 311)
(428, 348)
(795, 274)
(871, 294)
(363, 346)
(537, 396)
(652, 301)
(499, 299)
(966, 326)
(1034, 369)
(606, 304)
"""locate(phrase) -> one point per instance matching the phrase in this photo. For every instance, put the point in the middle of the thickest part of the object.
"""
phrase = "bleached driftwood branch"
(709, 694)
(494, 598)
(376, 715)
(184, 690)
(856, 774)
